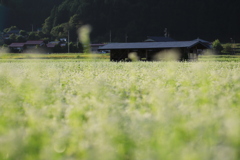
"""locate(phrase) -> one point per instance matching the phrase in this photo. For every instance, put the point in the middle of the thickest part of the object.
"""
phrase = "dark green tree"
(23, 33)
(13, 37)
(228, 49)
(47, 25)
(6, 30)
(20, 38)
(217, 46)
(33, 36)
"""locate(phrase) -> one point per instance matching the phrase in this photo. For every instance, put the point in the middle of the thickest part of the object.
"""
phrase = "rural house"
(20, 47)
(17, 47)
(148, 50)
(34, 44)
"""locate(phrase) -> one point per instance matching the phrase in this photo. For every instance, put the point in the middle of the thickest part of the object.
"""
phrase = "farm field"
(96, 57)
(72, 109)
(79, 56)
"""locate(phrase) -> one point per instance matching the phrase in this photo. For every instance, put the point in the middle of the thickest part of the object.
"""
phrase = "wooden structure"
(188, 50)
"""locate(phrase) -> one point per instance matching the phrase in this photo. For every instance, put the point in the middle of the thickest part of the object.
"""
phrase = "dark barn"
(188, 50)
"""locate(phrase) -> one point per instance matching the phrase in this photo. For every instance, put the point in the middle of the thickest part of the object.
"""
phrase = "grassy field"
(219, 58)
(72, 109)
(79, 56)
(97, 57)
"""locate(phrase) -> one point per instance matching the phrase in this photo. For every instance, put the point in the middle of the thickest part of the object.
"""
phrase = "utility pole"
(68, 41)
(126, 38)
(110, 37)
(77, 42)
(165, 32)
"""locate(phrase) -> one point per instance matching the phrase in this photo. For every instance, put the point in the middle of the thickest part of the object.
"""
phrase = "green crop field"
(84, 110)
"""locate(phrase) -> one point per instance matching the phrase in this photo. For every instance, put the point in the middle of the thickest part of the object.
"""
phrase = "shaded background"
(185, 19)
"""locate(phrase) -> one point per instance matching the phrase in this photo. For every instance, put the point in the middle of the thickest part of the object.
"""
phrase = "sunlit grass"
(53, 56)
(105, 110)
(221, 58)
(99, 57)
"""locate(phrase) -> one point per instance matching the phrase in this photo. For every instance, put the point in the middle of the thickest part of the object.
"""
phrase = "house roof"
(151, 45)
(38, 42)
(34, 42)
(159, 39)
(13, 45)
(51, 45)
(201, 40)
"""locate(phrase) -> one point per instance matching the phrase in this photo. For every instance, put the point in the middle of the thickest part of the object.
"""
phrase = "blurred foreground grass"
(119, 111)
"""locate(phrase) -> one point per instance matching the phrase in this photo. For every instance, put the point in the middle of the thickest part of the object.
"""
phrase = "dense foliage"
(25, 13)
(217, 46)
(185, 20)
(119, 111)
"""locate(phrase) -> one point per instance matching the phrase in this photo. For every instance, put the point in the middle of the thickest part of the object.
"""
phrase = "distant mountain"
(185, 19)
(134, 19)
(25, 13)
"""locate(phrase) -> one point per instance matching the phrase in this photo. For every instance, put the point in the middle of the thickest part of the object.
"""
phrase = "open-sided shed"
(148, 50)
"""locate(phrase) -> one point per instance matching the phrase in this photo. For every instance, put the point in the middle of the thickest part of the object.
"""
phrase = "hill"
(136, 19)
(25, 13)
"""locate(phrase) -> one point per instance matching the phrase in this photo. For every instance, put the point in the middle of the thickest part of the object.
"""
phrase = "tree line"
(137, 19)
(114, 20)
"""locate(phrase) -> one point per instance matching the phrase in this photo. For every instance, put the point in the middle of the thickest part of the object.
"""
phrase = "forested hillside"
(185, 19)
(25, 13)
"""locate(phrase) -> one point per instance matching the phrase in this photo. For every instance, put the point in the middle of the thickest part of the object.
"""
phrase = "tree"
(23, 32)
(47, 26)
(6, 30)
(33, 36)
(57, 31)
(40, 34)
(20, 38)
(217, 46)
(13, 37)
(227, 49)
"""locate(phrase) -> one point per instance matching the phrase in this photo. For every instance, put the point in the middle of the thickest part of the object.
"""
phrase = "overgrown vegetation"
(116, 111)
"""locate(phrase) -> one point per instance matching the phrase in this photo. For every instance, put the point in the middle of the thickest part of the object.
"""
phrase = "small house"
(34, 44)
(17, 47)
(149, 50)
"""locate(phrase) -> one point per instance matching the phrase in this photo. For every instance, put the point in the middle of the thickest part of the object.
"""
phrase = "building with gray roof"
(187, 50)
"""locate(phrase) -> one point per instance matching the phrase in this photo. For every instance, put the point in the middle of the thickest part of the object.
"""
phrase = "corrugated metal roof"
(150, 45)
(16, 45)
